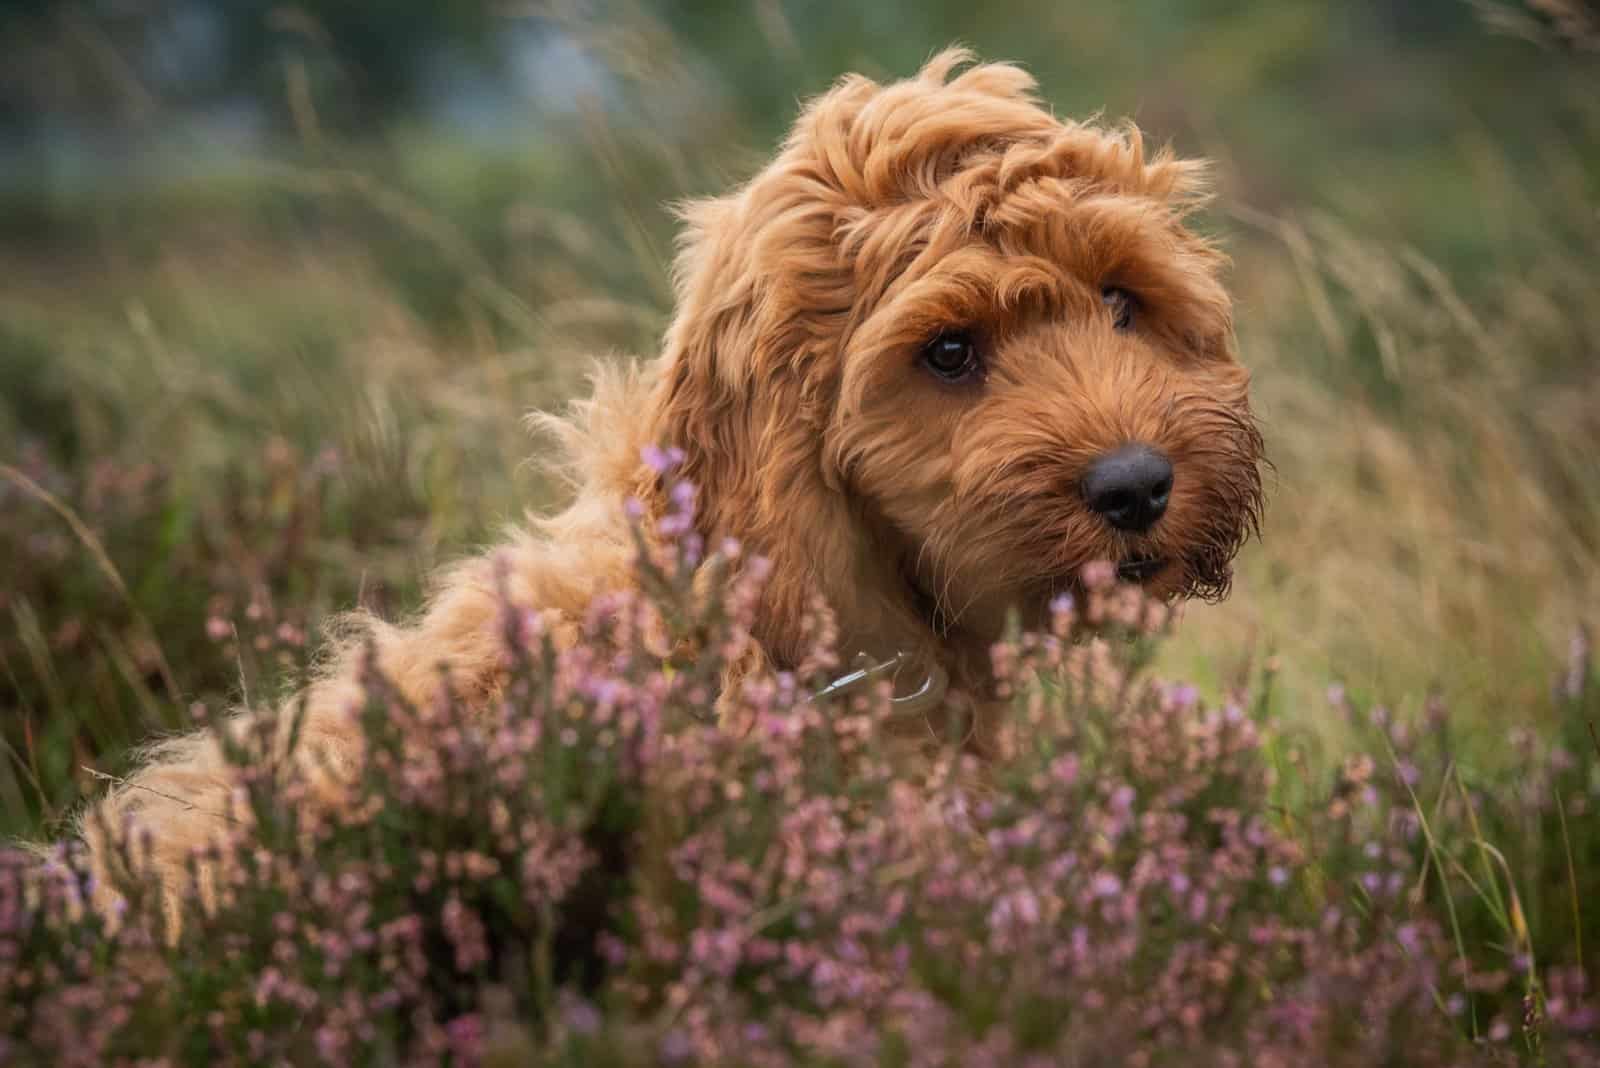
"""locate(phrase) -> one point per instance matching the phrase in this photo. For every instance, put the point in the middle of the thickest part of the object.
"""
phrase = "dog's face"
(991, 334)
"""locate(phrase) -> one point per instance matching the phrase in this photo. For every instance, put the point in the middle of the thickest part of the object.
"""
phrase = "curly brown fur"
(921, 511)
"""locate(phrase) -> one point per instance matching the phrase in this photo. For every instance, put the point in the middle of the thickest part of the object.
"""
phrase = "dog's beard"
(1202, 568)
(1236, 497)
(1044, 541)
(1202, 572)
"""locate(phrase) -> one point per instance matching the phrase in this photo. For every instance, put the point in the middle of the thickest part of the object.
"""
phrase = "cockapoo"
(940, 354)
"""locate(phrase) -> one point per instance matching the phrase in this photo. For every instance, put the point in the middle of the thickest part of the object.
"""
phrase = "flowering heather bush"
(590, 873)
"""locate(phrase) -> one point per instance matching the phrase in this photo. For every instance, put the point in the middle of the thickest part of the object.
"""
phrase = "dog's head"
(947, 349)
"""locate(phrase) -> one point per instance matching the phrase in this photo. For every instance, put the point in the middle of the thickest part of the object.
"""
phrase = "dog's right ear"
(746, 382)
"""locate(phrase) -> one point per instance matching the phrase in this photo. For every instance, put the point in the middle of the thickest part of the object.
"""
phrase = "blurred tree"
(351, 64)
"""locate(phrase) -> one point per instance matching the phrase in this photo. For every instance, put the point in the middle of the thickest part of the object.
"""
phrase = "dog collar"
(935, 683)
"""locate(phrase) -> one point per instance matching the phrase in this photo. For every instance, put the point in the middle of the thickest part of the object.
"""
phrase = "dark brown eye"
(1122, 304)
(952, 356)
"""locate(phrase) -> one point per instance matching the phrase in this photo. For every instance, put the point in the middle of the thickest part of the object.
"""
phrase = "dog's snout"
(1129, 487)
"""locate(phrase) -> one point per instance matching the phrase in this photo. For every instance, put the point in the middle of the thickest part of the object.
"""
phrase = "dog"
(945, 350)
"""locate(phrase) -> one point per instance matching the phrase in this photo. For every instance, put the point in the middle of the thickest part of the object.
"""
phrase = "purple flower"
(580, 1016)
(661, 460)
(675, 1047)
(466, 1034)
(1104, 885)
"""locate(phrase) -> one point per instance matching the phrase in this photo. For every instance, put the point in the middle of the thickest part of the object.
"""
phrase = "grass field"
(237, 401)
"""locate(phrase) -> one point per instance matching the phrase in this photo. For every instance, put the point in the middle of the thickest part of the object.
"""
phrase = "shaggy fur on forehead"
(920, 511)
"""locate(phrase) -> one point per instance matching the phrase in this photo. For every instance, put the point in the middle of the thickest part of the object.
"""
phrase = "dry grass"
(1436, 510)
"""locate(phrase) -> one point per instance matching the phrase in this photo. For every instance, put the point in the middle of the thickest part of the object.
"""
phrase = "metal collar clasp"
(928, 694)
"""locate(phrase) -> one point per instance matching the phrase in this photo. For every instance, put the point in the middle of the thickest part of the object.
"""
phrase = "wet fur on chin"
(919, 510)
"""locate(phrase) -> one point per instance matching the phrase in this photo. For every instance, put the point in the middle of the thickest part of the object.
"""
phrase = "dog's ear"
(747, 381)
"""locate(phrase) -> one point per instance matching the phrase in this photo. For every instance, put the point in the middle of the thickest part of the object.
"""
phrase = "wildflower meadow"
(592, 874)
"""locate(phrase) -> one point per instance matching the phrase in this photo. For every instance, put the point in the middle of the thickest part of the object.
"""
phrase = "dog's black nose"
(1129, 487)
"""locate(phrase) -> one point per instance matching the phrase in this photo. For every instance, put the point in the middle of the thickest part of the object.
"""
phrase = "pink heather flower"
(1064, 769)
(1104, 884)
(1099, 575)
(466, 934)
(330, 1044)
(661, 460)
(466, 1036)
(611, 949)
(580, 1016)
(1026, 906)
(1579, 655)
(676, 1047)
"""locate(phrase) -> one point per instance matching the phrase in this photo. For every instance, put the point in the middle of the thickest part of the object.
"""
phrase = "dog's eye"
(952, 356)
(1122, 305)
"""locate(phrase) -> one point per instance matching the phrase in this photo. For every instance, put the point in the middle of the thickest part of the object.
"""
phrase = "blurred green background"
(281, 280)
